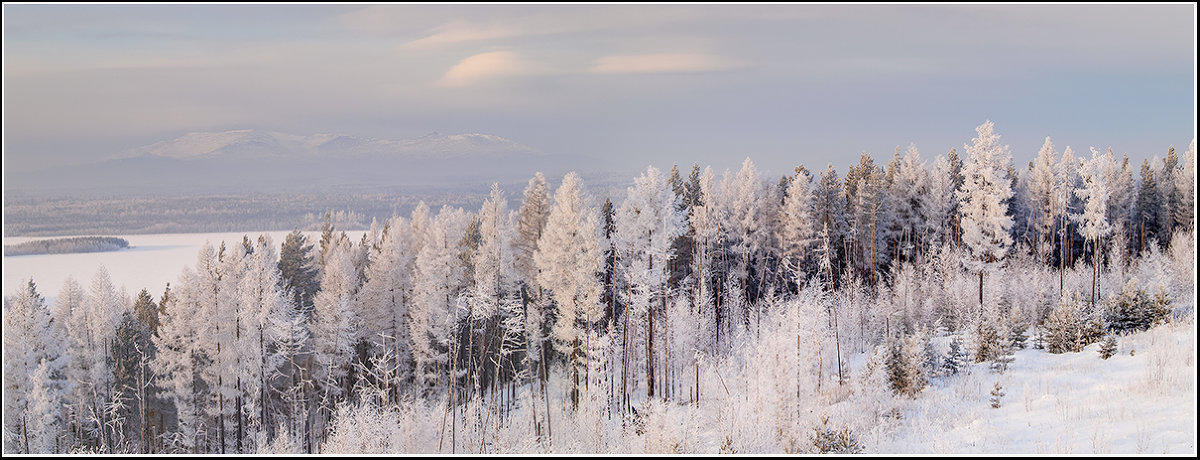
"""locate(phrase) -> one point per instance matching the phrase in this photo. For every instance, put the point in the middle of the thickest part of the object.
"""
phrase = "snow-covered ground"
(1142, 400)
(151, 261)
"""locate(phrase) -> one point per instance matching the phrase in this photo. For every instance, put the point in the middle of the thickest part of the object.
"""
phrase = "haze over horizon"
(621, 86)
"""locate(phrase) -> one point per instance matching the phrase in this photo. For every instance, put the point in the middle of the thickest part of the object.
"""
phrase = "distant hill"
(256, 161)
(251, 143)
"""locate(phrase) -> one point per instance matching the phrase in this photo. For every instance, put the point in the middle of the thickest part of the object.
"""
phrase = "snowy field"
(151, 261)
(1071, 403)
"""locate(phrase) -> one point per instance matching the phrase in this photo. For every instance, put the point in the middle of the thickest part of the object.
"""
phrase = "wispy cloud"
(664, 63)
(461, 31)
(488, 66)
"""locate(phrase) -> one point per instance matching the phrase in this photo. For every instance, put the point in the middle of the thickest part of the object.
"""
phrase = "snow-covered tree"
(1184, 180)
(1069, 327)
(181, 356)
(797, 226)
(647, 222)
(864, 193)
(334, 325)
(133, 379)
(91, 327)
(33, 366)
(938, 203)
(1093, 221)
(569, 261)
(1065, 205)
(1150, 207)
(956, 358)
(750, 208)
(1041, 183)
(983, 215)
(438, 278)
(906, 191)
(534, 211)
(1168, 191)
(298, 270)
(263, 304)
(706, 220)
(387, 295)
(495, 261)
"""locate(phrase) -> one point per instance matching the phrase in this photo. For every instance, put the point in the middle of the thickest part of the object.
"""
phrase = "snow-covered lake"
(151, 261)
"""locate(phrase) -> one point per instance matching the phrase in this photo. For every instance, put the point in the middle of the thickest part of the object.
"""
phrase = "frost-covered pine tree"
(908, 187)
(1184, 180)
(493, 283)
(937, 203)
(1042, 181)
(569, 261)
(495, 261)
(533, 213)
(1121, 199)
(91, 327)
(334, 324)
(1150, 207)
(646, 223)
(983, 215)
(33, 366)
(797, 226)
(829, 204)
(706, 220)
(750, 205)
(1093, 220)
(263, 305)
(44, 427)
(387, 295)
(438, 278)
(1168, 191)
(290, 358)
(181, 357)
(864, 192)
(222, 333)
(1065, 203)
(1069, 327)
(905, 363)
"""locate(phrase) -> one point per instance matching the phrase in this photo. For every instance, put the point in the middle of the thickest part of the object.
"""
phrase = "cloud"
(460, 31)
(487, 66)
(664, 63)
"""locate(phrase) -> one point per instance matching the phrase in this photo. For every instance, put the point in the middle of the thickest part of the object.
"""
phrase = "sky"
(621, 85)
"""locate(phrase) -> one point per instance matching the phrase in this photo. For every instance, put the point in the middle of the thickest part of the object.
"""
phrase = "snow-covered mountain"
(253, 143)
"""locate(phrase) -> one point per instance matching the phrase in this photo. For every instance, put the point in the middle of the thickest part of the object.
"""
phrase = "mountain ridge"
(256, 143)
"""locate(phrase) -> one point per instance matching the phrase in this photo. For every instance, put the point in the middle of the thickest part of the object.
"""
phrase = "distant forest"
(66, 246)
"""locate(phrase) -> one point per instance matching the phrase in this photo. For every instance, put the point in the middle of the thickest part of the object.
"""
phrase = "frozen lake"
(151, 261)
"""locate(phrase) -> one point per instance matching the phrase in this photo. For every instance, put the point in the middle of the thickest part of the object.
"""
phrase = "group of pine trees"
(260, 344)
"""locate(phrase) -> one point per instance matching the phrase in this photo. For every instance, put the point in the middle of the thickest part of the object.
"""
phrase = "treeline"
(565, 311)
(66, 245)
(201, 214)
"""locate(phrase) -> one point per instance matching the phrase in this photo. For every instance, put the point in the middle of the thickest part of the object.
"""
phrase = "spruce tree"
(298, 271)
(997, 393)
(956, 359)
(1108, 347)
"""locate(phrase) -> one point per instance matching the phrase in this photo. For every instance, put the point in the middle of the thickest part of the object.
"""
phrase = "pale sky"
(626, 85)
